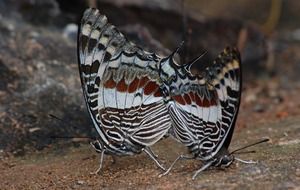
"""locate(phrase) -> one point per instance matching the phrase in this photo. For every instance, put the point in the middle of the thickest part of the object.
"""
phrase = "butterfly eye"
(225, 161)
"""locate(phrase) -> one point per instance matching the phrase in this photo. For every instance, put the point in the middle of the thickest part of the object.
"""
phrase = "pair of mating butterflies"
(136, 98)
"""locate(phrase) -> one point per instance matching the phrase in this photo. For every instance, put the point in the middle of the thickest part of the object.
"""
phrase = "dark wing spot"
(95, 66)
(83, 41)
(101, 47)
(107, 57)
(92, 45)
(91, 89)
(97, 81)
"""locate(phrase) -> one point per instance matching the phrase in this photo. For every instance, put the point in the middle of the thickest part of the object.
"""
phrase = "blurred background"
(38, 61)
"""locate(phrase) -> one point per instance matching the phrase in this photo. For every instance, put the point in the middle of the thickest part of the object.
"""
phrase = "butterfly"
(121, 87)
(136, 98)
(204, 108)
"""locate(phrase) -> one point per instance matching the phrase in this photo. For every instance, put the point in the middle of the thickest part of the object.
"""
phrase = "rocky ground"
(39, 76)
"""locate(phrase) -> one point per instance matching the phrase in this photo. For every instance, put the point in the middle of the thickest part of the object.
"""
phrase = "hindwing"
(204, 108)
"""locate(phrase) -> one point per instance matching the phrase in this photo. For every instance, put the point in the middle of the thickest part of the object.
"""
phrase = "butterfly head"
(96, 144)
(223, 158)
(173, 75)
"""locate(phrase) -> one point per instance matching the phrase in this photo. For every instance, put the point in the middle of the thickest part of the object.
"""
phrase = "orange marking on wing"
(213, 101)
(110, 83)
(206, 103)
(179, 99)
(198, 100)
(187, 99)
(157, 94)
(121, 86)
(192, 95)
(143, 81)
(133, 85)
(150, 87)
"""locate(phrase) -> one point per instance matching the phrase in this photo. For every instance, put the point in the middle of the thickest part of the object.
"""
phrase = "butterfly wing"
(121, 87)
(204, 109)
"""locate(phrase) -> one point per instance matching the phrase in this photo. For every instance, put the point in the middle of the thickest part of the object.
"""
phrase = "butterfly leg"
(100, 165)
(114, 160)
(245, 161)
(151, 152)
(153, 157)
(181, 157)
(207, 165)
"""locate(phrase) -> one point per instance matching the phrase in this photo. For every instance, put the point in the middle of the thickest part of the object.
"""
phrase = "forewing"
(120, 85)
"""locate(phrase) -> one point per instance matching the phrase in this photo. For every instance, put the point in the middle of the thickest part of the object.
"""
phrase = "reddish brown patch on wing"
(187, 99)
(157, 94)
(121, 86)
(110, 83)
(150, 87)
(133, 85)
(198, 100)
(205, 102)
(179, 99)
(192, 95)
(213, 101)
(143, 81)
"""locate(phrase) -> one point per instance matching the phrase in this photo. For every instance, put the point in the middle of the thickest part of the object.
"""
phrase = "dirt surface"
(278, 166)
(39, 76)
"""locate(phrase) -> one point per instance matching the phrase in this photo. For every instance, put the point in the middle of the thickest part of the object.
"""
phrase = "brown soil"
(278, 166)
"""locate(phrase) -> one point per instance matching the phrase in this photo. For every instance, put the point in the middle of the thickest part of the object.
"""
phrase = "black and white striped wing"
(120, 82)
(204, 114)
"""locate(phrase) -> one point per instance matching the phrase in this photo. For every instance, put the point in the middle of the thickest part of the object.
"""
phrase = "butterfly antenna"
(62, 121)
(171, 56)
(246, 152)
(247, 146)
(70, 137)
(188, 65)
(68, 123)
(178, 48)
(185, 33)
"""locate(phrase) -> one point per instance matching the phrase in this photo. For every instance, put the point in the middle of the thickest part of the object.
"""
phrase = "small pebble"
(70, 31)
(298, 172)
(259, 108)
(80, 182)
(296, 34)
(31, 130)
